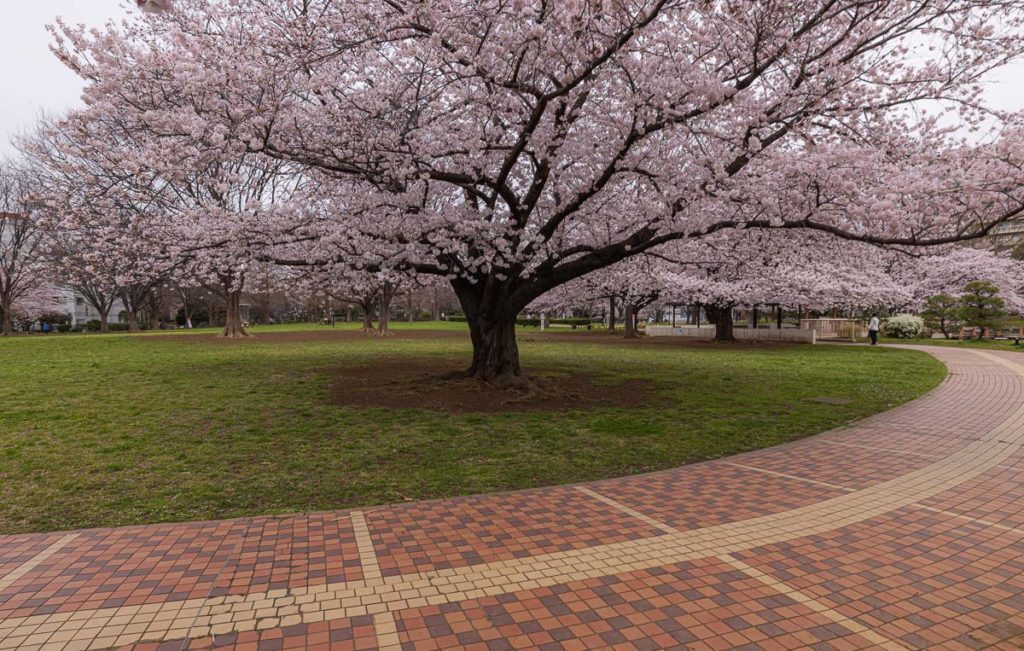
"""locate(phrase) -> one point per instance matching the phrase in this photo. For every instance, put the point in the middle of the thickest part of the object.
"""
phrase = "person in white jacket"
(873, 329)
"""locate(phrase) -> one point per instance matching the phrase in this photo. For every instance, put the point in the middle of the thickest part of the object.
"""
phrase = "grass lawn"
(116, 429)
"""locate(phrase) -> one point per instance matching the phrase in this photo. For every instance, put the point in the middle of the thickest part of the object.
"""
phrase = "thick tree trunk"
(722, 318)
(133, 321)
(611, 314)
(368, 318)
(492, 328)
(629, 321)
(105, 320)
(6, 323)
(384, 315)
(496, 352)
(233, 328)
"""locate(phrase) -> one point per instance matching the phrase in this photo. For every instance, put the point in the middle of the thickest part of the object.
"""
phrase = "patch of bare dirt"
(617, 338)
(404, 383)
(327, 334)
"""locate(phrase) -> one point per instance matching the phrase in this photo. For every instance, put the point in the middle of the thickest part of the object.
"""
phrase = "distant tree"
(941, 312)
(20, 241)
(980, 305)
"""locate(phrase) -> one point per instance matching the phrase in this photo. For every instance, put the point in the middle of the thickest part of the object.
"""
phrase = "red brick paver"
(902, 531)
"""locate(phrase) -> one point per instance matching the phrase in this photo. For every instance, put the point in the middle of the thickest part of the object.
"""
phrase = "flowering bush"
(904, 326)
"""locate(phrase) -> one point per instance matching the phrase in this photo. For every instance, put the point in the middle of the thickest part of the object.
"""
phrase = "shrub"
(92, 325)
(55, 318)
(571, 321)
(904, 326)
(457, 318)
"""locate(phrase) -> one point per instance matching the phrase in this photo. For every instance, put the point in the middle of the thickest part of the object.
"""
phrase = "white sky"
(33, 81)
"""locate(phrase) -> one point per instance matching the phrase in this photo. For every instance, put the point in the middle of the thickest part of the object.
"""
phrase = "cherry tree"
(41, 302)
(373, 292)
(22, 272)
(200, 222)
(764, 267)
(632, 285)
(512, 147)
(948, 270)
(154, 6)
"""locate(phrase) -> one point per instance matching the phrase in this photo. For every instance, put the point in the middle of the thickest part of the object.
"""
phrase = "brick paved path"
(903, 531)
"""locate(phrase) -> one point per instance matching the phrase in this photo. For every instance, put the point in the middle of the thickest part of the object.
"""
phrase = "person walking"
(873, 329)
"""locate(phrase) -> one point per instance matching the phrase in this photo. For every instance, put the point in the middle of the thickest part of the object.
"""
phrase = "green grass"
(119, 429)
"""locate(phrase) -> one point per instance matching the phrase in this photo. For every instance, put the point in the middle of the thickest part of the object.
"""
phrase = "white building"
(73, 304)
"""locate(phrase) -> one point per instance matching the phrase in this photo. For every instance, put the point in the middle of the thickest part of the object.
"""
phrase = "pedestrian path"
(902, 531)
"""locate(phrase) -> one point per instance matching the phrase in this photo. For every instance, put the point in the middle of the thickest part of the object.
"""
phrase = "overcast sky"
(32, 80)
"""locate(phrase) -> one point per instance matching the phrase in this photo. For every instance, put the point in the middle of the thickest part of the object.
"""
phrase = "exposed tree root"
(237, 332)
(403, 383)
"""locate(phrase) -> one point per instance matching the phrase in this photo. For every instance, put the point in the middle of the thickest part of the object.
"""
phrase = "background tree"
(21, 241)
(940, 312)
(981, 306)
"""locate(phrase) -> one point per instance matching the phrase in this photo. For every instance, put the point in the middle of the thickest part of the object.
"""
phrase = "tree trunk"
(629, 321)
(368, 317)
(611, 314)
(6, 322)
(496, 352)
(104, 320)
(492, 329)
(384, 315)
(133, 321)
(348, 314)
(722, 318)
(233, 328)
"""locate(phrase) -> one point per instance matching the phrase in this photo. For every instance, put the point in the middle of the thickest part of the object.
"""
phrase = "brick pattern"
(473, 530)
(145, 565)
(704, 604)
(923, 579)
(901, 531)
(709, 494)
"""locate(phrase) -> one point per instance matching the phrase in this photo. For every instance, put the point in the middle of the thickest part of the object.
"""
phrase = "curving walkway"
(903, 531)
